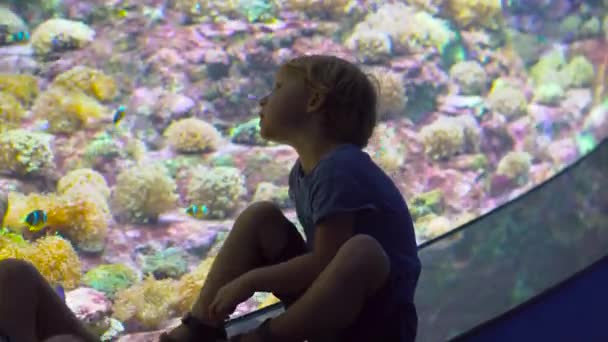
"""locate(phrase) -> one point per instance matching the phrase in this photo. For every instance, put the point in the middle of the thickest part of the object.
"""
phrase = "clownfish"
(36, 220)
(197, 211)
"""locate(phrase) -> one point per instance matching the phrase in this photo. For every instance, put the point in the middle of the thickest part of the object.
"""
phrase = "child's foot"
(192, 330)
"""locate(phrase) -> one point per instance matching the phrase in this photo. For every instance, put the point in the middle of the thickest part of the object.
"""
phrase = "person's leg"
(260, 236)
(64, 338)
(30, 310)
(359, 270)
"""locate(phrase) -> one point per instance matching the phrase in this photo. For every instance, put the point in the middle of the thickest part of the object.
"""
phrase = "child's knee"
(260, 213)
(276, 236)
(365, 253)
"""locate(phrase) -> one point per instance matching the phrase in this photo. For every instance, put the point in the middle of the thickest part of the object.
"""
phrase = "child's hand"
(229, 296)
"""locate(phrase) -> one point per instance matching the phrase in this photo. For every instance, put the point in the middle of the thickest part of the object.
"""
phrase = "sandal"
(197, 331)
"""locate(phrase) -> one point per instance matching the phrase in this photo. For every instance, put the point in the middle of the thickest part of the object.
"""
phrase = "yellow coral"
(11, 112)
(24, 153)
(91, 81)
(52, 256)
(81, 216)
(150, 302)
(420, 30)
(192, 135)
(443, 138)
(67, 110)
(515, 165)
(392, 99)
(143, 192)
(23, 87)
(466, 13)
(45, 33)
(75, 179)
(190, 285)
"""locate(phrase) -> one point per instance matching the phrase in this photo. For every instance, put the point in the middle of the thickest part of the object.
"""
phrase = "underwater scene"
(129, 137)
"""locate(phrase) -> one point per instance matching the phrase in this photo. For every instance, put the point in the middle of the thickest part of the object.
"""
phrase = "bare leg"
(261, 236)
(337, 296)
(30, 310)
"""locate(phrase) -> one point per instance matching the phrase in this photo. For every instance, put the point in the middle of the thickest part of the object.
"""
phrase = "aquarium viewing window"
(130, 142)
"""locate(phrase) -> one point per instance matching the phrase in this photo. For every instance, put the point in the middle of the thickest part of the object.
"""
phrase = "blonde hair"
(350, 96)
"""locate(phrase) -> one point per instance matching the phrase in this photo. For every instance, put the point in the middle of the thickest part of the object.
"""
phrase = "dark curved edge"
(566, 169)
(557, 313)
(440, 238)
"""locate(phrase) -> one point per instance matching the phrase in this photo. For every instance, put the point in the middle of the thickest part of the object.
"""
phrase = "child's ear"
(315, 101)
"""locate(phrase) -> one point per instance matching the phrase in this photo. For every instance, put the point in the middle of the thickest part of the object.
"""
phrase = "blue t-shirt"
(348, 180)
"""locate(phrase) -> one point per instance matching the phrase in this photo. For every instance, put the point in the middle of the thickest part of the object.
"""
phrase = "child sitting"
(354, 277)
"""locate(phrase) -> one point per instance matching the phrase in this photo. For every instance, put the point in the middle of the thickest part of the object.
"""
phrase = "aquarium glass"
(512, 254)
(129, 139)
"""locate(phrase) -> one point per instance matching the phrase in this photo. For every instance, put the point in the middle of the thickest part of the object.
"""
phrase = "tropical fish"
(36, 220)
(197, 211)
(119, 114)
(7, 37)
(19, 37)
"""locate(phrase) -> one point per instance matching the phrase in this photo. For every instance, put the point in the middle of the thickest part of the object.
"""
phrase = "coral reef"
(391, 91)
(477, 103)
(470, 77)
(24, 153)
(266, 191)
(468, 13)
(67, 111)
(449, 136)
(21, 86)
(76, 179)
(515, 165)
(12, 21)
(420, 30)
(143, 192)
(79, 215)
(507, 99)
(149, 303)
(47, 35)
(332, 7)
(91, 81)
(192, 135)
(52, 256)
(169, 263)
(248, 133)
(386, 149)
(110, 278)
(219, 188)
(11, 112)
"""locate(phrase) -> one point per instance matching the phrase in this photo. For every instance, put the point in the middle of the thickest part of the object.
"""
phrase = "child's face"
(284, 112)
